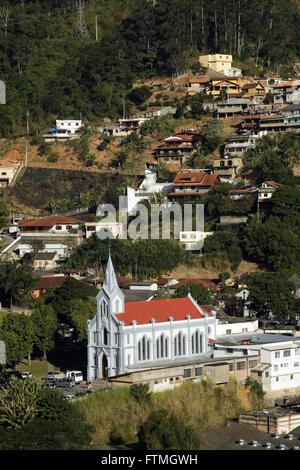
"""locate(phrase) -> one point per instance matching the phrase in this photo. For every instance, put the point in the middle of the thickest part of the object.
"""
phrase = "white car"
(24, 375)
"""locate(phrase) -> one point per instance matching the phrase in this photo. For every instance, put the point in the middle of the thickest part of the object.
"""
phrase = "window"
(292, 377)
(287, 353)
(91, 229)
(180, 344)
(105, 336)
(228, 332)
(296, 364)
(230, 367)
(208, 372)
(276, 368)
(187, 372)
(277, 354)
(144, 349)
(58, 227)
(267, 374)
(198, 371)
(196, 342)
(128, 339)
(162, 347)
(241, 365)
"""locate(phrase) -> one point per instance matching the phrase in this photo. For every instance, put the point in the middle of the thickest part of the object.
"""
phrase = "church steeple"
(111, 292)
(110, 280)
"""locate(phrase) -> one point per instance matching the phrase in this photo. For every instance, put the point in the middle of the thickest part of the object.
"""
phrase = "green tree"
(164, 431)
(44, 321)
(199, 292)
(140, 393)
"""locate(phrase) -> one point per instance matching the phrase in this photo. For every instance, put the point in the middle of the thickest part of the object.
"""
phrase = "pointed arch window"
(162, 347)
(105, 336)
(180, 344)
(144, 348)
(197, 342)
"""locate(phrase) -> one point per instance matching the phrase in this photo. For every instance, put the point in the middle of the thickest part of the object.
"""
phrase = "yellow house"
(231, 87)
(219, 62)
(253, 89)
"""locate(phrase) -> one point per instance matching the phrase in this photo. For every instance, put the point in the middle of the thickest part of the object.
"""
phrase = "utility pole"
(96, 24)
(26, 142)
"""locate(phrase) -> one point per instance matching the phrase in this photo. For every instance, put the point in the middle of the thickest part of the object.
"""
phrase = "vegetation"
(199, 405)
(33, 417)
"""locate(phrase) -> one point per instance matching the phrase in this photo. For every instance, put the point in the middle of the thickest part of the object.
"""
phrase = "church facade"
(126, 336)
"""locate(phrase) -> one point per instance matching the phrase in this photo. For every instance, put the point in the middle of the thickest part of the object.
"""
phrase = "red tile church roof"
(160, 310)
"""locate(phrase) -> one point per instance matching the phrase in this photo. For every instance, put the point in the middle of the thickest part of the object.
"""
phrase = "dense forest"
(81, 58)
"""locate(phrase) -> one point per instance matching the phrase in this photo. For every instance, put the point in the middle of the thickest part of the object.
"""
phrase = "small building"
(253, 89)
(227, 167)
(221, 63)
(178, 147)
(280, 419)
(53, 224)
(64, 130)
(190, 183)
(8, 171)
(115, 229)
(47, 283)
(46, 260)
(193, 240)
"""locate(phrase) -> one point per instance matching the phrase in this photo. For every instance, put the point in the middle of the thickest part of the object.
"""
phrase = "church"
(127, 336)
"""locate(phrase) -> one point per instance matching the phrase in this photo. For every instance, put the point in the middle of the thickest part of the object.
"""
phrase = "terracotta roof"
(288, 84)
(160, 310)
(49, 221)
(199, 178)
(50, 282)
(273, 183)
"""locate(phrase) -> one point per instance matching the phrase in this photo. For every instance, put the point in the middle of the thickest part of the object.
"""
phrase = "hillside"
(37, 185)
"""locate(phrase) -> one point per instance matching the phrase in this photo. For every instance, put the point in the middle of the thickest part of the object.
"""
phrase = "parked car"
(26, 374)
(267, 445)
(67, 382)
(77, 375)
(51, 384)
(55, 375)
(254, 443)
(241, 442)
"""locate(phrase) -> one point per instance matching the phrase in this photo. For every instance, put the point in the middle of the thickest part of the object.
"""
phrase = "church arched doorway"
(104, 367)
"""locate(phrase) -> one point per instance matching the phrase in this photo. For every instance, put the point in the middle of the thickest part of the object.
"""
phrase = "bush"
(116, 438)
(165, 431)
(140, 392)
(139, 95)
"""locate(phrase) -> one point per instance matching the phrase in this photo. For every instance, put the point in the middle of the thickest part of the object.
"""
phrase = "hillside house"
(192, 183)
(291, 115)
(193, 240)
(288, 92)
(125, 127)
(219, 85)
(231, 107)
(250, 90)
(221, 63)
(56, 224)
(115, 228)
(8, 171)
(46, 261)
(178, 147)
(239, 144)
(48, 282)
(64, 130)
(227, 167)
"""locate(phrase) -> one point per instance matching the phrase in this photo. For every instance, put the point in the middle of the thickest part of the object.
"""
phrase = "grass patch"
(37, 368)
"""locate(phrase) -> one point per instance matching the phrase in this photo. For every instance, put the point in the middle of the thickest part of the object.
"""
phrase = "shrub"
(140, 392)
(165, 431)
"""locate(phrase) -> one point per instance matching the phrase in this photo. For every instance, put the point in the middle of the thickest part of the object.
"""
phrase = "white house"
(126, 336)
(146, 191)
(193, 240)
(115, 228)
(279, 371)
